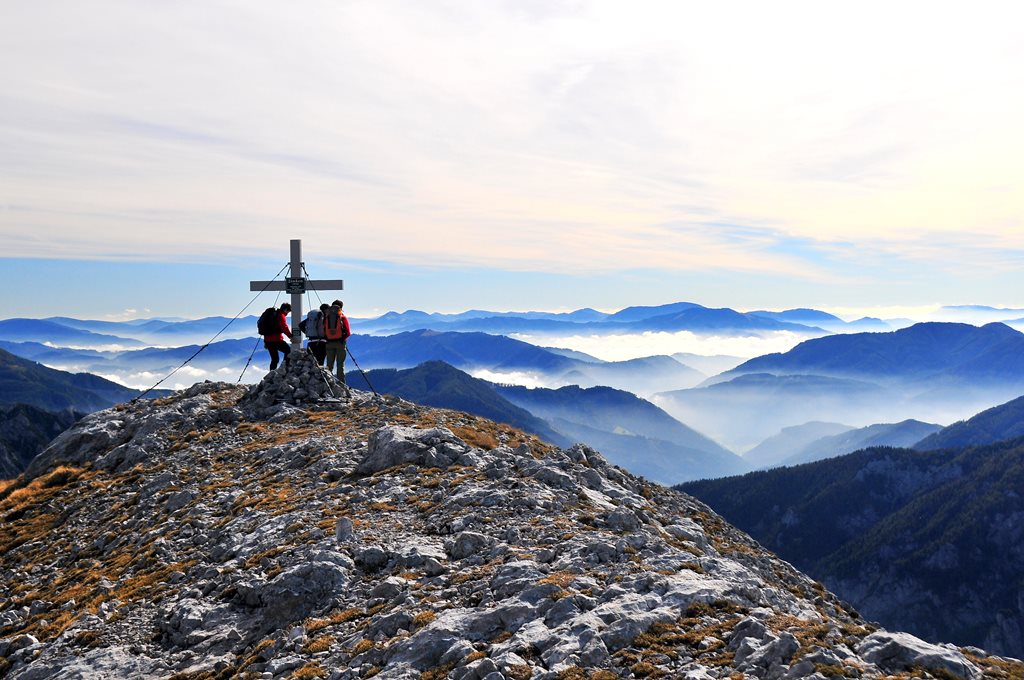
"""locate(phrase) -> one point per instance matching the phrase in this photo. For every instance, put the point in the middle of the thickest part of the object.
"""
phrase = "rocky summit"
(258, 532)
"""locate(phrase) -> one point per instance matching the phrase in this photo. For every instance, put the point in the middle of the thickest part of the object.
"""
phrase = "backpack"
(334, 326)
(314, 332)
(267, 324)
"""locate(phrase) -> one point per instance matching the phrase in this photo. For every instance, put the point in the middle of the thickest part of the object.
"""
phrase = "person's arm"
(284, 325)
(348, 329)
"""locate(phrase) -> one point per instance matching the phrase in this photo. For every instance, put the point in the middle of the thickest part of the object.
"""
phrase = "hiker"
(336, 331)
(313, 327)
(274, 340)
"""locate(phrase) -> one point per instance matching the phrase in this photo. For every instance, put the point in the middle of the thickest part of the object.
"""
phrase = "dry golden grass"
(562, 579)
(645, 669)
(320, 644)
(39, 489)
(362, 646)
(475, 656)
(309, 671)
(346, 615)
(423, 618)
(520, 672)
(479, 439)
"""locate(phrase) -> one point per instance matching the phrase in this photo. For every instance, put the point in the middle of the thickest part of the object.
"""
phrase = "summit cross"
(297, 284)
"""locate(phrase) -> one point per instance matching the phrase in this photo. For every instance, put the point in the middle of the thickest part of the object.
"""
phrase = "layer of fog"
(637, 345)
(741, 421)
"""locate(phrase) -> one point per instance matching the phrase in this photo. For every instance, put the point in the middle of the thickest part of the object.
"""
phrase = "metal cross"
(296, 284)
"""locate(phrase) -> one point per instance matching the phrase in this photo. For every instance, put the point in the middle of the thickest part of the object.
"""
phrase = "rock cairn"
(302, 383)
(185, 538)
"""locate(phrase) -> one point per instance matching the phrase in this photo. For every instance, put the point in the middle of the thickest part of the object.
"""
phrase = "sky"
(519, 154)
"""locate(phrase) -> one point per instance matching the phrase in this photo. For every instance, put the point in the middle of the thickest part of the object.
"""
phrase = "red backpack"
(334, 324)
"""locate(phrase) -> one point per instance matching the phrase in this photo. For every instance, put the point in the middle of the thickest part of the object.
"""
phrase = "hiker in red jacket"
(275, 342)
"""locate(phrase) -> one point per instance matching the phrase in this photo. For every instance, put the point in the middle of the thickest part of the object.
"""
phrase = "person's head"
(338, 304)
(286, 307)
(324, 307)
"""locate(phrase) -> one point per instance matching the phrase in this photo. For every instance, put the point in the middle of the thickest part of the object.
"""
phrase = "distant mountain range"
(998, 423)
(628, 430)
(677, 316)
(930, 371)
(632, 432)
(925, 354)
(744, 411)
(41, 330)
(929, 542)
(903, 434)
(777, 448)
(26, 382)
(673, 317)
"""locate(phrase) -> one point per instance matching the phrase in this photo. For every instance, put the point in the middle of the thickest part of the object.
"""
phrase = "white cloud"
(590, 136)
(512, 378)
(632, 346)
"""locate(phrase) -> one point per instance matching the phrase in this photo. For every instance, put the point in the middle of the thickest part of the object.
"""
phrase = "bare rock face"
(234, 532)
(901, 651)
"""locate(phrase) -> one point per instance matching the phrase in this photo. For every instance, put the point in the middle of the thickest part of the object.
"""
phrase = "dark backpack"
(267, 324)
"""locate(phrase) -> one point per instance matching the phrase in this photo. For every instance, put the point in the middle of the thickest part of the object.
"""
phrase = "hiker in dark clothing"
(274, 342)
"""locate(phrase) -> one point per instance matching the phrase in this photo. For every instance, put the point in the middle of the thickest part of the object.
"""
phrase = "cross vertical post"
(296, 297)
(296, 284)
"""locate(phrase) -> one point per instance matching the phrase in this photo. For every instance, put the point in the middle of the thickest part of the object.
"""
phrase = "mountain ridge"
(374, 537)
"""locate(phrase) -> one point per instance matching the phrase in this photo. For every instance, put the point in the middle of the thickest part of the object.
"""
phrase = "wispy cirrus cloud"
(580, 137)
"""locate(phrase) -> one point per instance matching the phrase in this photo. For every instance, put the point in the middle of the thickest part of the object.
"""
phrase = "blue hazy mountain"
(45, 354)
(928, 542)
(977, 313)
(810, 317)
(164, 331)
(704, 319)
(499, 354)
(900, 435)
(643, 376)
(936, 352)
(998, 423)
(746, 410)
(831, 322)
(672, 317)
(708, 364)
(640, 313)
(38, 330)
(26, 382)
(467, 351)
(778, 447)
(436, 383)
(628, 430)
(631, 431)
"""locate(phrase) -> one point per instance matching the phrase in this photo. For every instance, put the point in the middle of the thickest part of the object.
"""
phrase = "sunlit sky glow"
(524, 154)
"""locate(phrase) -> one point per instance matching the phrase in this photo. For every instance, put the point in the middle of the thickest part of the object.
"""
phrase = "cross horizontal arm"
(325, 284)
(266, 285)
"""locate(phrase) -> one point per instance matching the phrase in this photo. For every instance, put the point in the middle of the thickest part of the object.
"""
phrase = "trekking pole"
(253, 352)
(320, 371)
(361, 371)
